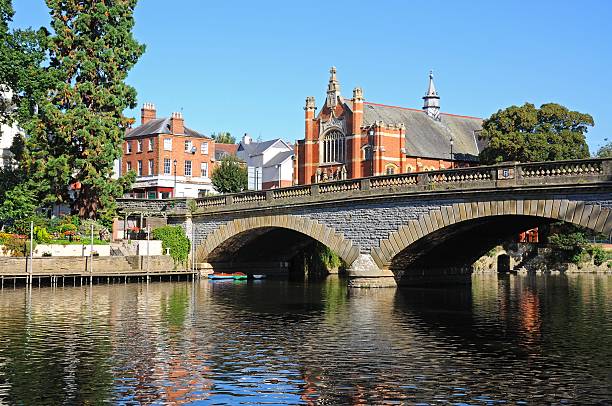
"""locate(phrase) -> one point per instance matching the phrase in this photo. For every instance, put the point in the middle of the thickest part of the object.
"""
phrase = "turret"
(431, 105)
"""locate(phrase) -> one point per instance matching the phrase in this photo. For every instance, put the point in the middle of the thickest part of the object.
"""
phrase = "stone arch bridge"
(404, 228)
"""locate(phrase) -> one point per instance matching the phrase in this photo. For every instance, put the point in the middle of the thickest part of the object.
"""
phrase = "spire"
(333, 89)
(432, 100)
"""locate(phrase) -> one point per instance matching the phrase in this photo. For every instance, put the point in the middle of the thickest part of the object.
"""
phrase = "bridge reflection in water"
(544, 339)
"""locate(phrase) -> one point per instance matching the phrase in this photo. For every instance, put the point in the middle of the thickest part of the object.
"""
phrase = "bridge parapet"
(485, 178)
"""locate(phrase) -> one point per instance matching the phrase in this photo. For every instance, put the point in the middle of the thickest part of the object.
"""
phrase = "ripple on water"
(514, 340)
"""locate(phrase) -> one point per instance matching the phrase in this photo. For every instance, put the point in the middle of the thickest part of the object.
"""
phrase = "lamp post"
(370, 150)
(451, 152)
(174, 190)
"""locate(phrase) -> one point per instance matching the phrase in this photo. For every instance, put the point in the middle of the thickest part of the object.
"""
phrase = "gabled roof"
(222, 150)
(160, 126)
(258, 148)
(279, 159)
(426, 137)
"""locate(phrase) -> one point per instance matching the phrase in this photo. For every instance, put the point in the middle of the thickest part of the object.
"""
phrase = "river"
(513, 339)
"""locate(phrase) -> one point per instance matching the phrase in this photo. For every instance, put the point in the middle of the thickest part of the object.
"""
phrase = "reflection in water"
(544, 339)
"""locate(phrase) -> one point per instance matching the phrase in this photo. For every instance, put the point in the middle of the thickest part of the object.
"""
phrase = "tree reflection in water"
(544, 339)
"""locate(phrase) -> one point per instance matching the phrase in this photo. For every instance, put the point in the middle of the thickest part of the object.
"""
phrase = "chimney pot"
(177, 124)
(147, 113)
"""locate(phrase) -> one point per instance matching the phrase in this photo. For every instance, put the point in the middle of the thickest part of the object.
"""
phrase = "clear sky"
(247, 66)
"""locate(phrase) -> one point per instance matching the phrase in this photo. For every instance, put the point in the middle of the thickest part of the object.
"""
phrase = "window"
(166, 166)
(128, 147)
(139, 146)
(204, 167)
(151, 144)
(167, 144)
(187, 168)
(333, 147)
(204, 148)
(128, 166)
(188, 146)
(390, 170)
(139, 168)
(151, 166)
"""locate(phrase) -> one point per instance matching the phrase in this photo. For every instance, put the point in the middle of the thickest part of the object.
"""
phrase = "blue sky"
(247, 66)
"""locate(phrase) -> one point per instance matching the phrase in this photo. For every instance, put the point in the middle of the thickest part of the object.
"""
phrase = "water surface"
(516, 339)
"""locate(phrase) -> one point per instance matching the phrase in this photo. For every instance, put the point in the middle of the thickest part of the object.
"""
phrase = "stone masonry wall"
(365, 223)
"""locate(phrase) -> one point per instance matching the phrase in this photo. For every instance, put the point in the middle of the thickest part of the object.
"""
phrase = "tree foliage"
(605, 151)
(75, 122)
(174, 238)
(224, 138)
(230, 176)
(529, 134)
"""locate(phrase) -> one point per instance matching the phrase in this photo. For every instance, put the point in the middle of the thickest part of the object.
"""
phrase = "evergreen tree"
(21, 54)
(76, 129)
(230, 176)
(529, 134)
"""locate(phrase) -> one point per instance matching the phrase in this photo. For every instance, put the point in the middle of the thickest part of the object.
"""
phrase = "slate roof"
(429, 138)
(278, 159)
(160, 126)
(257, 148)
(222, 150)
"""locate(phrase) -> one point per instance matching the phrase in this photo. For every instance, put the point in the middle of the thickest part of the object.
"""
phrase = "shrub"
(41, 235)
(599, 254)
(571, 246)
(17, 247)
(68, 229)
(85, 228)
(174, 238)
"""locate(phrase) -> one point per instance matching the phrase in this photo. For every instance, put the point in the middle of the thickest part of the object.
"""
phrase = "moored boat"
(223, 275)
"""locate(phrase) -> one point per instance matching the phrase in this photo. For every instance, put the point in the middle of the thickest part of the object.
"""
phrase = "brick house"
(353, 138)
(170, 159)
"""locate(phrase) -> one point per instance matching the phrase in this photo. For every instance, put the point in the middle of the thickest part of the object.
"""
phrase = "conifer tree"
(76, 127)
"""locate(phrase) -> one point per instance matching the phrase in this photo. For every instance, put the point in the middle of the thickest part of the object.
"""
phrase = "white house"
(269, 163)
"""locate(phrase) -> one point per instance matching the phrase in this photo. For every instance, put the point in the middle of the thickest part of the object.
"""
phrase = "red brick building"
(352, 138)
(170, 159)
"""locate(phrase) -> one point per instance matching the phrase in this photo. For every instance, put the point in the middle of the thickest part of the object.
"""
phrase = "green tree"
(77, 128)
(605, 151)
(230, 176)
(224, 138)
(529, 134)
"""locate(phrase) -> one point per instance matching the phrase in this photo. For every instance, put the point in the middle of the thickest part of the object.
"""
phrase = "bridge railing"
(501, 175)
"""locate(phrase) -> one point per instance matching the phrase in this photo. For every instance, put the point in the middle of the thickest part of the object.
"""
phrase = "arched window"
(390, 169)
(334, 147)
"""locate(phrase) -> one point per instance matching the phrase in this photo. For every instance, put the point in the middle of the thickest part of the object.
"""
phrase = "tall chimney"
(147, 113)
(246, 139)
(177, 124)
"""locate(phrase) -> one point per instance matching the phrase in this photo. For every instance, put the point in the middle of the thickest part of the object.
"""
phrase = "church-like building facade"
(352, 138)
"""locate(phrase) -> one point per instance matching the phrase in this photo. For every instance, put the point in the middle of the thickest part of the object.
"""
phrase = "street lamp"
(174, 191)
(451, 154)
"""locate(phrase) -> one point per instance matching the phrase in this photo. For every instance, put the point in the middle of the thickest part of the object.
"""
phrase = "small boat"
(257, 276)
(223, 275)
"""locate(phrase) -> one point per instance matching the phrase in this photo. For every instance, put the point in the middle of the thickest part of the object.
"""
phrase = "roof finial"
(333, 89)
(432, 100)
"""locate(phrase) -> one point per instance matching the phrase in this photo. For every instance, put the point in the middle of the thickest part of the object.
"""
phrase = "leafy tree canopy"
(529, 134)
(224, 138)
(605, 151)
(230, 176)
(75, 122)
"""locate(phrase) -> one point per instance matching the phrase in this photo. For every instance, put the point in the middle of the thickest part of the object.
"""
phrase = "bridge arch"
(440, 224)
(231, 230)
